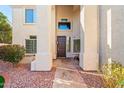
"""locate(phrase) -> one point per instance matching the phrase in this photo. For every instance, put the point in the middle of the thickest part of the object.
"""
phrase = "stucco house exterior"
(94, 33)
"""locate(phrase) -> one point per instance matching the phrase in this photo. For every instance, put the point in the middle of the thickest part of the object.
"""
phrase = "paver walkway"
(69, 75)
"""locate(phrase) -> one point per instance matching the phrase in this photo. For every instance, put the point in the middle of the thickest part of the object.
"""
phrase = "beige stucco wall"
(76, 23)
(22, 31)
(43, 61)
(42, 29)
(89, 31)
(53, 32)
(116, 52)
(64, 12)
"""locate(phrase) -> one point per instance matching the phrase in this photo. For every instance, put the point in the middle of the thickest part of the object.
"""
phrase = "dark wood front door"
(61, 46)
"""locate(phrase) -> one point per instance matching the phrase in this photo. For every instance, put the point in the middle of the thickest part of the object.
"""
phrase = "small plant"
(12, 53)
(113, 75)
(2, 81)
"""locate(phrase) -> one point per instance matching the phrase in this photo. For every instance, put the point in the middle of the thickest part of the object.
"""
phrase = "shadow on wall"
(105, 33)
(111, 34)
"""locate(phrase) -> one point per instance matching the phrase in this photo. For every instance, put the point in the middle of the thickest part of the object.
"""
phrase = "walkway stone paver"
(67, 75)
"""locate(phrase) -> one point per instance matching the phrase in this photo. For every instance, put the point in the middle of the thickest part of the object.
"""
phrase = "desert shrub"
(2, 81)
(12, 53)
(113, 75)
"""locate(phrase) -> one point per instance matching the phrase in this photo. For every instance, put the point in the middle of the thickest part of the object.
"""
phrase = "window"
(29, 15)
(76, 45)
(64, 26)
(69, 44)
(31, 45)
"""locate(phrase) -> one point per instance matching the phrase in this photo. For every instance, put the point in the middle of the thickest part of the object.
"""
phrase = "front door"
(61, 46)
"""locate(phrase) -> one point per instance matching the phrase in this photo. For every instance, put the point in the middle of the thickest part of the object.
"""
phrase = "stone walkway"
(69, 75)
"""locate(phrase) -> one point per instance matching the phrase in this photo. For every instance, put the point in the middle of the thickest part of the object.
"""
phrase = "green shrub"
(12, 53)
(113, 75)
(2, 81)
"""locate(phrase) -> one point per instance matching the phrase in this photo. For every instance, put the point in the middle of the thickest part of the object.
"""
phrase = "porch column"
(89, 59)
(43, 61)
(53, 32)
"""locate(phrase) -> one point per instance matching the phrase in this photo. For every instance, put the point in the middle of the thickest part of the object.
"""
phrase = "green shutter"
(31, 46)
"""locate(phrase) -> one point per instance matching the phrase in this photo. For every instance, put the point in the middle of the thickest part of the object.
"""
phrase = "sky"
(7, 11)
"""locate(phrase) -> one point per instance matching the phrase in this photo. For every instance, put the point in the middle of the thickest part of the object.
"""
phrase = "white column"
(43, 60)
(90, 34)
